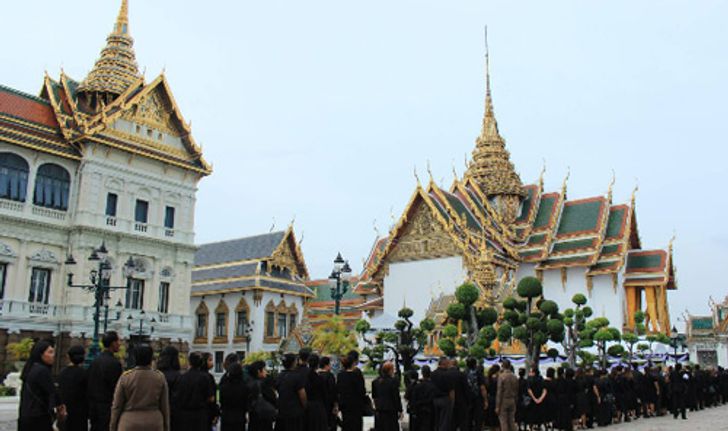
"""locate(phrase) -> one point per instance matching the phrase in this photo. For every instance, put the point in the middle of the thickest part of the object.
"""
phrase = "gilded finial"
(611, 186)
(488, 100)
(273, 226)
(300, 240)
(566, 181)
(429, 171)
(376, 229)
(672, 240)
(417, 177)
(633, 199)
(541, 175)
(454, 172)
(293, 220)
(122, 21)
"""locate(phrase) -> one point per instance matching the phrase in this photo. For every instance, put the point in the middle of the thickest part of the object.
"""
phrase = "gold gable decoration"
(423, 238)
(153, 111)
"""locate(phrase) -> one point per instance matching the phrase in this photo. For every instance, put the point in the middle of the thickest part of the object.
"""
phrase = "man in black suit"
(445, 395)
(103, 374)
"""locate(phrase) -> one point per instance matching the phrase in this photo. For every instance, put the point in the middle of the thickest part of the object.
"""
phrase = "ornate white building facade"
(106, 160)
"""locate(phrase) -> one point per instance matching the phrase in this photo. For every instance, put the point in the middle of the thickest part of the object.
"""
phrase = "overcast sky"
(321, 109)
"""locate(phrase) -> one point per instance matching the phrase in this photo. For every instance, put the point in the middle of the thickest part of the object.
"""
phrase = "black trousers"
(678, 405)
(386, 421)
(443, 414)
(352, 420)
(35, 423)
(477, 415)
(100, 416)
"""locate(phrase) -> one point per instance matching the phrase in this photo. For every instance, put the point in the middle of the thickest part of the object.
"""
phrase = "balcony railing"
(169, 232)
(110, 221)
(49, 213)
(140, 227)
(11, 205)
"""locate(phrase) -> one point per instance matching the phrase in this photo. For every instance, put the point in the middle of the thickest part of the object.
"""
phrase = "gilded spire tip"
(566, 181)
(122, 21)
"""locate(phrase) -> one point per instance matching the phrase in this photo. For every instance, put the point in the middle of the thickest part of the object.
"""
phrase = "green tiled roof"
(580, 217)
(573, 245)
(566, 260)
(604, 265)
(526, 207)
(323, 294)
(702, 323)
(610, 249)
(614, 225)
(530, 253)
(537, 239)
(644, 261)
(462, 211)
(544, 211)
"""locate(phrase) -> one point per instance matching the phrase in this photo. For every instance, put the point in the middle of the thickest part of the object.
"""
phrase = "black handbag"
(262, 408)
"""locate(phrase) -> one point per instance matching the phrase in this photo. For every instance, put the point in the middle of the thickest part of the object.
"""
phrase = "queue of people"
(306, 395)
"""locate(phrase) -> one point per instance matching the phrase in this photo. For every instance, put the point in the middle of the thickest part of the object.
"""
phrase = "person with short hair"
(329, 391)
(506, 398)
(141, 398)
(445, 395)
(387, 402)
(72, 382)
(292, 398)
(193, 396)
(234, 395)
(421, 403)
(351, 394)
(103, 374)
(168, 364)
(38, 397)
(261, 390)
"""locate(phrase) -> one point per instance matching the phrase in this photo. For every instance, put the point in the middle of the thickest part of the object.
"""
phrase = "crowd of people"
(306, 395)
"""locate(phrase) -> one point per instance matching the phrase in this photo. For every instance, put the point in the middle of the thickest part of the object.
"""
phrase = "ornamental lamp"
(102, 251)
(94, 257)
(129, 267)
(338, 263)
(346, 271)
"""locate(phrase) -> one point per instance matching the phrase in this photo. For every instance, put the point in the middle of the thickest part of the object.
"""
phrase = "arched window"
(221, 323)
(292, 316)
(52, 184)
(282, 320)
(242, 318)
(13, 177)
(201, 324)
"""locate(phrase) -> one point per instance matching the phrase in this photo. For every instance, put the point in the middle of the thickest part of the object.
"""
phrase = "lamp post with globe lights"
(100, 286)
(339, 281)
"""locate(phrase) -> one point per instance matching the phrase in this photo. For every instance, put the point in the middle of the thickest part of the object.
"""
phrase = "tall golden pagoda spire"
(491, 166)
(116, 69)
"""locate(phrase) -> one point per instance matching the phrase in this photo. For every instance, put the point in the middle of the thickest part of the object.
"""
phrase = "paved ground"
(707, 420)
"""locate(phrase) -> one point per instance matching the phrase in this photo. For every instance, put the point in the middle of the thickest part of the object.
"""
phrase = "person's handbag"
(262, 408)
(368, 406)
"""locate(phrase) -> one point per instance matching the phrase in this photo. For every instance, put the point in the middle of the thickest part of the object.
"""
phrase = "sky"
(321, 110)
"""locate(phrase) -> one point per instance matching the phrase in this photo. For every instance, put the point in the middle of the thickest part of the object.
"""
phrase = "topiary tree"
(529, 321)
(478, 330)
(598, 332)
(575, 320)
(333, 338)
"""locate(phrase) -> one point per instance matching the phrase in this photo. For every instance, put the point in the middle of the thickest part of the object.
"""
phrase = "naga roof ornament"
(116, 70)
(491, 166)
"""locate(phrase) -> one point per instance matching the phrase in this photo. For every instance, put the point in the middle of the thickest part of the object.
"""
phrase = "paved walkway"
(706, 420)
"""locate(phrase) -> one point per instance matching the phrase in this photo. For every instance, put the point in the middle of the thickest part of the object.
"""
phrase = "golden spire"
(116, 69)
(491, 166)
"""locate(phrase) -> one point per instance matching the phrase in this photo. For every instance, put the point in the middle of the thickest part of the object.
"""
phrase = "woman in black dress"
(535, 412)
(233, 399)
(581, 399)
(491, 386)
(316, 416)
(523, 399)
(388, 405)
(213, 410)
(605, 399)
(261, 390)
(72, 384)
(38, 398)
(168, 364)
(549, 409)
(351, 395)
(192, 397)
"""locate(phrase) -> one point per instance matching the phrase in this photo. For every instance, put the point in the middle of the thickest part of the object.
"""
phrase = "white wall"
(414, 283)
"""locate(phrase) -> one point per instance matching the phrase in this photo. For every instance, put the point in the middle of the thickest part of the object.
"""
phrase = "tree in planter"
(575, 322)
(532, 326)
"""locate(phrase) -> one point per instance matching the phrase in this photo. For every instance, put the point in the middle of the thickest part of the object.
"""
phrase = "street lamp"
(140, 336)
(339, 281)
(674, 340)
(100, 286)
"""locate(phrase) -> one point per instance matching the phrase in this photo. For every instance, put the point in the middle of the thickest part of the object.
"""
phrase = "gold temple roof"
(491, 166)
(116, 70)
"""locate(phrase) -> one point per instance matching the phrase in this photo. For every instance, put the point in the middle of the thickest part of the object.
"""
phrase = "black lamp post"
(100, 286)
(674, 341)
(141, 332)
(339, 281)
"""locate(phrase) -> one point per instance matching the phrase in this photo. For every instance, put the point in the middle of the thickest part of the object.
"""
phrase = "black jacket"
(385, 392)
(350, 391)
(38, 396)
(103, 374)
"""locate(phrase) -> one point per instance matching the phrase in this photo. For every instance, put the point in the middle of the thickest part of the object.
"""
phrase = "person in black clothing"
(388, 405)
(261, 391)
(421, 403)
(679, 380)
(351, 395)
(103, 374)
(445, 395)
(523, 399)
(168, 364)
(233, 399)
(192, 397)
(478, 393)
(316, 415)
(38, 397)
(292, 398)
(213, 409)
(72, 382)
(461, 405)
(605, 399)
(329, 391)
(411, 380)
(491, 385)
